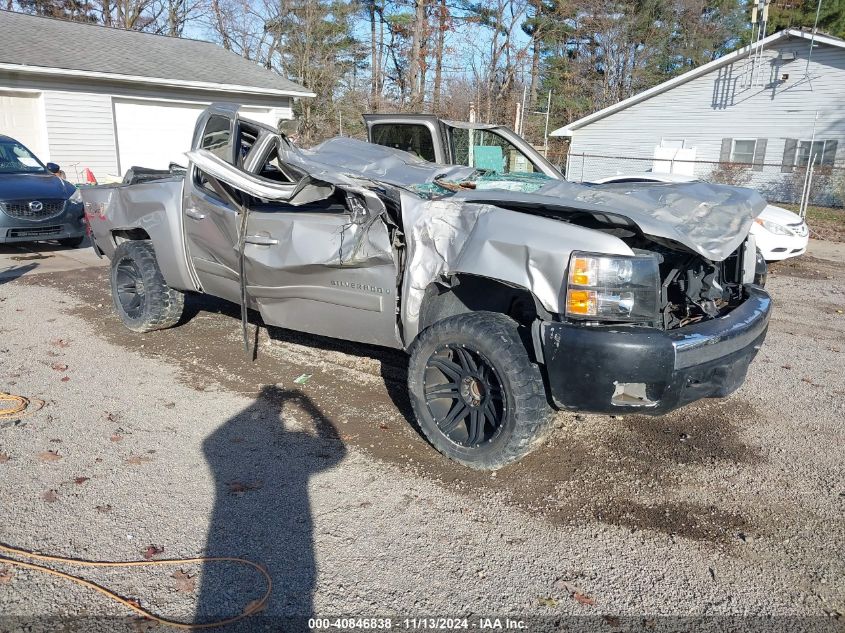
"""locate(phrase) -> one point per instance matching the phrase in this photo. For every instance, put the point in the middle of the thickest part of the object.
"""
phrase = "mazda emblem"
(36, 206)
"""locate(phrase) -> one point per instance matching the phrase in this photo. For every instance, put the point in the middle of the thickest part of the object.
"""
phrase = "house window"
(822, 152)
(742, 150)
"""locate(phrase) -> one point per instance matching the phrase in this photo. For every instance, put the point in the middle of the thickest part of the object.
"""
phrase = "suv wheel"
(476, 394)
(141, 298)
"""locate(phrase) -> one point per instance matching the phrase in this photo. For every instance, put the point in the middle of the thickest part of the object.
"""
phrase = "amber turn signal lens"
(580, 275)
(582, 302)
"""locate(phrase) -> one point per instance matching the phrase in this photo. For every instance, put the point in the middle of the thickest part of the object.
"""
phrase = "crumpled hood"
(711, 220)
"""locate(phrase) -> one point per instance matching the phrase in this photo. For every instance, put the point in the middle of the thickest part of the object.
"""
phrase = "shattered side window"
(409, 137)
(217, 137)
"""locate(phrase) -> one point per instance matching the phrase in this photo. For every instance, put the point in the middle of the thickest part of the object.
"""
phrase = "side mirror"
(289, 127)
(53, 168)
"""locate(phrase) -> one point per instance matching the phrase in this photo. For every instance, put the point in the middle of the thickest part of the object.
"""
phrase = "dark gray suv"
(35, 203)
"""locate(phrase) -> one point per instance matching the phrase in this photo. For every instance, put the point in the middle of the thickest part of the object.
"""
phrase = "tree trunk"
(374, 68)
(536, 38)
(220, 24)
(416, 51)
(438, 56)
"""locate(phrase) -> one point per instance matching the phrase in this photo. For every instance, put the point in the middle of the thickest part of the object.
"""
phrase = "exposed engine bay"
(695, 289)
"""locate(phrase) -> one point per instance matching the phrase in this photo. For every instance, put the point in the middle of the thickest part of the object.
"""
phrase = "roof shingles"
(50, 43)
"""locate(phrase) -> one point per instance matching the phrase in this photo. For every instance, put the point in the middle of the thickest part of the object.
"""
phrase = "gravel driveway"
(178, 444)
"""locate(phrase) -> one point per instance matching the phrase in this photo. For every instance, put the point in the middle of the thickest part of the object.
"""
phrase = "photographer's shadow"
(262, 460)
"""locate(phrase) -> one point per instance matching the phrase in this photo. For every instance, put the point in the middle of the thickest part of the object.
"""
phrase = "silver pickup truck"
(514, 293)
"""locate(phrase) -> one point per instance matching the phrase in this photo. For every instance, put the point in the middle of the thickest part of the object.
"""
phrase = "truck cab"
(494, 148)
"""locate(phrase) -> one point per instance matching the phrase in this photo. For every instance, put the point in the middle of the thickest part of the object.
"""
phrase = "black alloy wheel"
(464, 395)
(130, 288)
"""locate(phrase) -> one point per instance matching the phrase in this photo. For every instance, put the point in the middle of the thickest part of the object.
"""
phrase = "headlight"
(76, 198)
(612, 287)
(772, 227)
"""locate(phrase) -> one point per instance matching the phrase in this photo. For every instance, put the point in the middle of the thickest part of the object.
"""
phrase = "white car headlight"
(76, 198)
(773, 227)
(612, 287)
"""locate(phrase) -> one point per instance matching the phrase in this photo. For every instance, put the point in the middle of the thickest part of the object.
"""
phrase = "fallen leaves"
(152, 550)
(577, 594)
(116, 437)
(59, 366)
(104, 509)
(65, 378)
(5, 576)
(185, 583)
(60, 342)
(49, 456)
(137, 460)
(4, 458)
(80, 480)
(238, 488)
(50, 496)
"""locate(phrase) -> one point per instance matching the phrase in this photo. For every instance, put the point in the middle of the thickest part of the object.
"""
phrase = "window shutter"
(725, 153)
(789, 149)
(760, 154)
(829, 157)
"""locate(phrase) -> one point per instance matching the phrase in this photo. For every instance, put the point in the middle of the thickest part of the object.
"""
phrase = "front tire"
(142, 299)
(476, 394)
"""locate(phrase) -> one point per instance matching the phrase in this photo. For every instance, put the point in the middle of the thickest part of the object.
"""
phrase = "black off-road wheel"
(142, 299)
(476, 394)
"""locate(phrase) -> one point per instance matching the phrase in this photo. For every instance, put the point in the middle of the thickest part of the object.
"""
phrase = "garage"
(112, 99)
(153, 133)
(20, 118)
(156, 133)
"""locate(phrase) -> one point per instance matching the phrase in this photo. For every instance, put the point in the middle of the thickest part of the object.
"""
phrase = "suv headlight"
(612, 287)
(76, 197)
(773, 227)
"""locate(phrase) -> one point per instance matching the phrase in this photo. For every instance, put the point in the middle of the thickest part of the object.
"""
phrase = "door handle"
(196, 215)
(260, 240)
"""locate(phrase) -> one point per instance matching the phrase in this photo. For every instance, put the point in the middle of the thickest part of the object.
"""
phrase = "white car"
(780, 233)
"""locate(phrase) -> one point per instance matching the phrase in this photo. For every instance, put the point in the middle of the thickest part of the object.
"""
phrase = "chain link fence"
(823, 186)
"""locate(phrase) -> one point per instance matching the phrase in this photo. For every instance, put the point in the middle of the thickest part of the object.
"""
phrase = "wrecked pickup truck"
(514, 296)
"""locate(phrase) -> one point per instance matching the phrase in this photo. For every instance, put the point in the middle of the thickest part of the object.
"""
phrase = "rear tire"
(72, 242)
(476, 394)
(142, 299)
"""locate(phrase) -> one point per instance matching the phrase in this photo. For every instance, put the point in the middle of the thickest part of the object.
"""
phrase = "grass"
(826, 223)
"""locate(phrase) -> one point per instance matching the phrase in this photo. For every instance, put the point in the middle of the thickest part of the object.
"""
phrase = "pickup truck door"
(317, 258)
(210, 221)
(419, 134)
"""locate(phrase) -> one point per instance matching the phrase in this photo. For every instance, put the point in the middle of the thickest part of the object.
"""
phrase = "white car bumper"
(778, 247)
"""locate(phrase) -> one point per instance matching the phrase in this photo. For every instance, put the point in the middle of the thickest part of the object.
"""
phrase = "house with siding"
(83, 95)
(757, 117)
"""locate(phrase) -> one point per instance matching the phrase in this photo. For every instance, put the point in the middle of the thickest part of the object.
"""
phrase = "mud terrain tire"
(478, 362)
(142, 299)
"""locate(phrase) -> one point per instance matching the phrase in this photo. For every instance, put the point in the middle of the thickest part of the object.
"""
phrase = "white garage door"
(156, 133)
(153, 133)
(20, 118)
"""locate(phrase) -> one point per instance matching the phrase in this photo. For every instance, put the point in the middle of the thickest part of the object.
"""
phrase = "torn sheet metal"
(437, 235)
(711, 220)
(302, 192)
(374, 162)
(708, 219)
